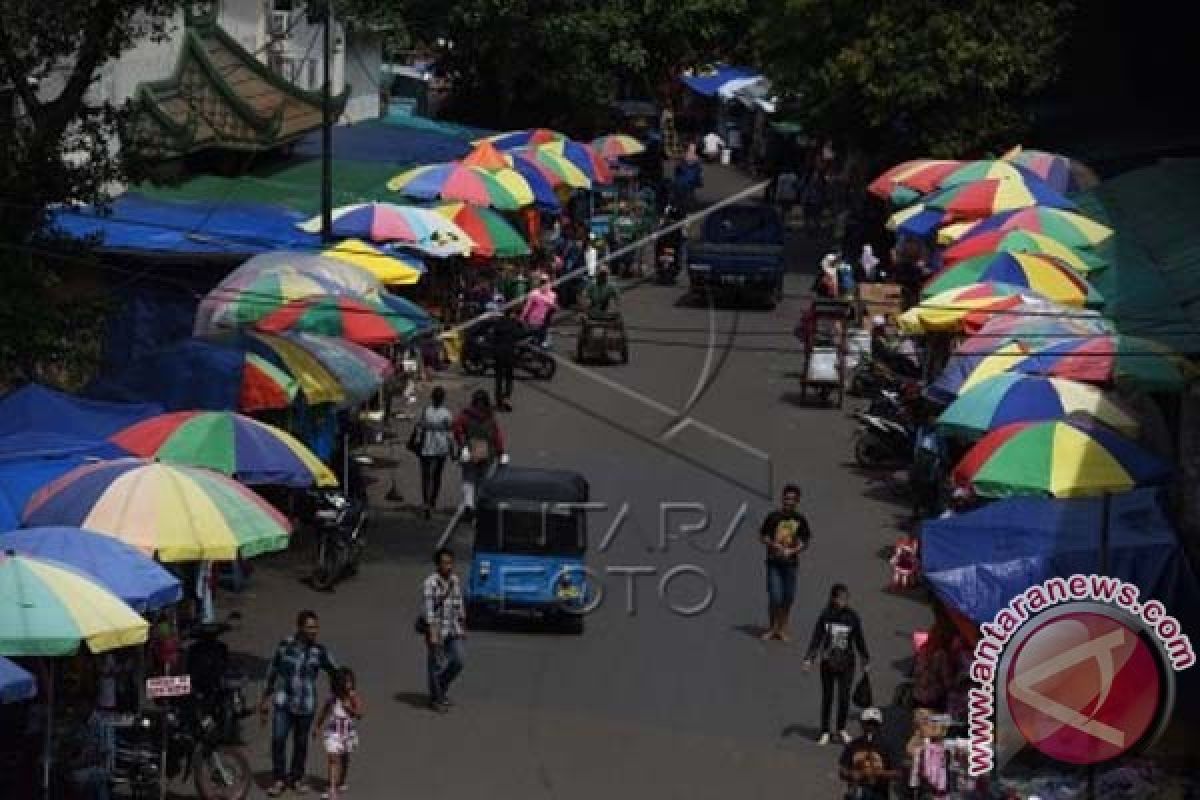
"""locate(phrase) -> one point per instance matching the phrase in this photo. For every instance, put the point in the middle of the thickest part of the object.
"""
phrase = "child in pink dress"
(337, 726)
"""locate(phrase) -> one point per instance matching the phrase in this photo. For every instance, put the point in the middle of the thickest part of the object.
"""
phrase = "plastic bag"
(863, 697)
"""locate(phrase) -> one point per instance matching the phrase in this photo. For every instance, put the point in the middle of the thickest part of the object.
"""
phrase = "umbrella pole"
(48, 745)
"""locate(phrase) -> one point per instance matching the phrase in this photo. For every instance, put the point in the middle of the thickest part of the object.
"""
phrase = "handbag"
(863, 697)
(416, 437)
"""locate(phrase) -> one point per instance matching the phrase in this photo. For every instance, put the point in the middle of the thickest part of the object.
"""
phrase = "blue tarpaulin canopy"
(185, 375)
(136, 222)
(30, 459)
(709, 82)
(388, 143)
(39, 408)
(977, 562)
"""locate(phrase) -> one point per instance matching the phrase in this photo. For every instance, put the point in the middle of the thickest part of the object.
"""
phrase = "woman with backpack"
(480, 442)
(837, 636)
(432, 443)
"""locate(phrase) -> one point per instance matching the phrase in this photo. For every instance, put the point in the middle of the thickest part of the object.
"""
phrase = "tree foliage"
(902, 77)
(58, 143)
(515, 63)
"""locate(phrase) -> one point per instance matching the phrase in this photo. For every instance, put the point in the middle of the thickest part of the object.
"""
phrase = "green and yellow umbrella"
(1018, 241)
(47, 609)
(175, 512)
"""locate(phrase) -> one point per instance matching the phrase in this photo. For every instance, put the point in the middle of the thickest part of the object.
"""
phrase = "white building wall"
(363, 69)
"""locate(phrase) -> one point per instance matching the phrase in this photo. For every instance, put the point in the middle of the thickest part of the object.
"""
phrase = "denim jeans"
(283, 723)
(781, 584)
(444, 664)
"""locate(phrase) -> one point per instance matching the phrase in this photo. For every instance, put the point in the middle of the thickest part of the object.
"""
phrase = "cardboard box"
(881, 299)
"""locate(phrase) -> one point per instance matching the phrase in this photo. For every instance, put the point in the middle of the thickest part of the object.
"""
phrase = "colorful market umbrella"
(386, 222)
(16, 685)
(507, 169)
(48, 609)
(987, 169)
(233, 444)
(1068, 227)
(979, 243)
(980, 199)
(1063, 173)
(583, 156)
(317, 384)
(967, 308)
(922, 175)
(265, 387)
(368, 322)
(1074, 457)
(175, 512)
(139, 581)
(1110, 358)
(566, 171)
(965, 370)
(527, 138)
(1010, 397)
(359, 377)
(918, 221)
(491, 233)
(524, 163)
(505, 190)
(1036, 327)
(1038, 274)
(391, 268)
(617, 145)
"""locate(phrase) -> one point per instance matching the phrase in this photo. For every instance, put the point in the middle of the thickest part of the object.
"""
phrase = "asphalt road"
(647, 703)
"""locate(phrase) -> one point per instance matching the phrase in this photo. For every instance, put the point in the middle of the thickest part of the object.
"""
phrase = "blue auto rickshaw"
(529, 549)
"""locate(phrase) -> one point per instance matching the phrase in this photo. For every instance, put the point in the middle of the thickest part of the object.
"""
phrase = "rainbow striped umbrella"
(980, 199)
(265, 387)
(583, 156)
(527, 138)
(508, 170)
(1110, 358)
(617, 145)
(1010, 397)
(1067, 227)
(979, 243)
(1061, 172)
(369, 322)
(48, 609)
(318, 385)
(967, 308)
(504, 189)
(227, 442)
(918, 220)
(965, 370)
(1035, 327)
(565, 170)
(139, 581)
(391, 268)
(1073, 457)
(1038, 274)
(987, 169)
(175, 512)
(920, 175)
(356, 368)
(491, 233)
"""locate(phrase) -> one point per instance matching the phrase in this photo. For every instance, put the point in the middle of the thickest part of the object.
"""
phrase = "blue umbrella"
(15, 683)
(142, 583)
(543, 192)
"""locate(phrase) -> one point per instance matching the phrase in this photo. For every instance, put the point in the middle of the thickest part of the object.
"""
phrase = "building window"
(313, 79)
(283, 5)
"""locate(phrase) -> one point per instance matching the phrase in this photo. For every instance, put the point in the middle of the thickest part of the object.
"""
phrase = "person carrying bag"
(837, 638)
(480, 442)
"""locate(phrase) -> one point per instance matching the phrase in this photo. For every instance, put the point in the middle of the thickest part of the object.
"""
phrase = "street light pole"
(327, 123)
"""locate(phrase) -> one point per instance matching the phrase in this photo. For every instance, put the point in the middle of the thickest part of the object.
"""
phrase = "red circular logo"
(1084, 687)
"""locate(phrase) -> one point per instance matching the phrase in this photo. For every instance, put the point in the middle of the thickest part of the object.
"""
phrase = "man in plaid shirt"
(291, 686)
(444, 631)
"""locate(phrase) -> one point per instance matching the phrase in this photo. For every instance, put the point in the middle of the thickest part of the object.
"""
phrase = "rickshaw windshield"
(530, 530)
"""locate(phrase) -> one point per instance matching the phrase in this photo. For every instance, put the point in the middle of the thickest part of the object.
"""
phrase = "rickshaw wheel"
(569, 623)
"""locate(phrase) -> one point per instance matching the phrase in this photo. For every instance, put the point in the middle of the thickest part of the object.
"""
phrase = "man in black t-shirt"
(866, 766)
(785, 533)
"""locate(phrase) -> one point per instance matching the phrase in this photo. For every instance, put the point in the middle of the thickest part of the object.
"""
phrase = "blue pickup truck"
(739, 253)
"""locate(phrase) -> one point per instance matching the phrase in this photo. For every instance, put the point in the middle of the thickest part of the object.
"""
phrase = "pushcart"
(824, 363)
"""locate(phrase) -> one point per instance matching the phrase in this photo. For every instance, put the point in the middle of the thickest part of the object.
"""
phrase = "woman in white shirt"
(436, 442)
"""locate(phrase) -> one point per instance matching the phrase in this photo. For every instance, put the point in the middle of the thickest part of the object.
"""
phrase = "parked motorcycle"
(179, 742)
(340, 524)
(477, 357)
(217, 686)
(882, 442)
(670, 249)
